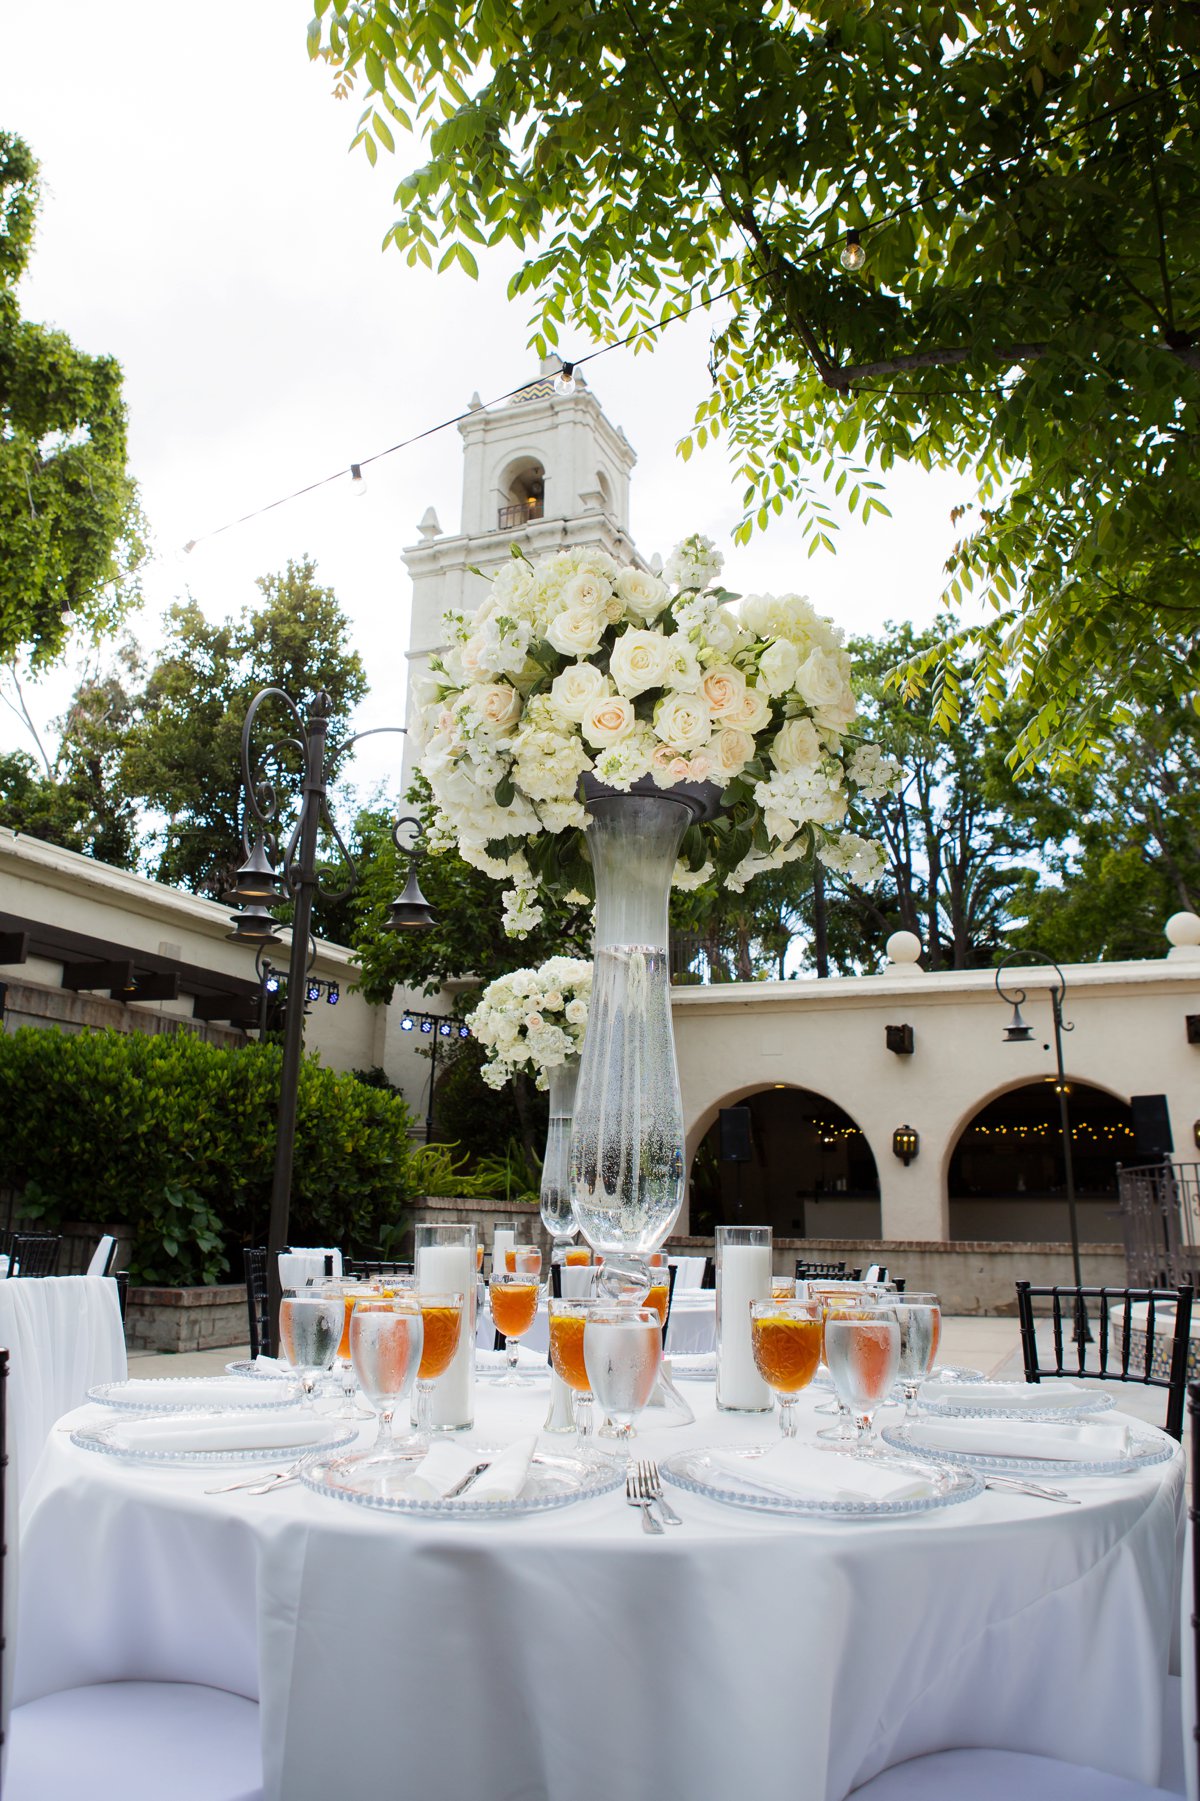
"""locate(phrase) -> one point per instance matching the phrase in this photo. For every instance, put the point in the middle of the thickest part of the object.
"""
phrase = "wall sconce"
(900, 1039)
(1196, 1133)
(906, 1142)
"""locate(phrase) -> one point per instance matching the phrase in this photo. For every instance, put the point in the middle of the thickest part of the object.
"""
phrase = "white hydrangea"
(873, 773)
(533, 1019)
(862, 859)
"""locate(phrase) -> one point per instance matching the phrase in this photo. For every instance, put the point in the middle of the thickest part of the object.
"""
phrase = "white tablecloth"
(63, 1335)
(569, 1657)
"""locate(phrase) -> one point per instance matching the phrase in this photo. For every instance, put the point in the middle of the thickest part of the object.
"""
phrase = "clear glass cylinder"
(627, 1152)
(445, 1263)
(558, 1213)
(743, 1276)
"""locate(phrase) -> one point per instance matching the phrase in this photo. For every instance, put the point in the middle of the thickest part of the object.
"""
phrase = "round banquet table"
(568, 1656)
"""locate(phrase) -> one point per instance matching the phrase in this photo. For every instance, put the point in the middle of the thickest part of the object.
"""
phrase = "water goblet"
(523, 1260)
(919, 1317)
(441, 1322)
(310, 1330)
(622, 1352)
(387, 1335)
(785, 1336)
(862, 1348)
(830, 1294)
(514, 1298)
(567, 1321)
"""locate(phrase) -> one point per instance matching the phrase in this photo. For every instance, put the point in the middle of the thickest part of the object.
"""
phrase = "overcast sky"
(203, 222)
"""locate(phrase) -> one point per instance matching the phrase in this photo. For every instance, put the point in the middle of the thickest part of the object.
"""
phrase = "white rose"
(552, 1000)
(496, 706)
(576, 632)
(667, 767)
(575, 687)
(724, 690)
(642, 592)
(587, 590)
(731, 749)
(608, 719)
(796, 746)
(682, 721)
(778, 665)
(754, 711)
(823, 681)
(639, 661)
(576, 1012)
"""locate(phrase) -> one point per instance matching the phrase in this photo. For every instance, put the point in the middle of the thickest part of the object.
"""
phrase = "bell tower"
(547, 471)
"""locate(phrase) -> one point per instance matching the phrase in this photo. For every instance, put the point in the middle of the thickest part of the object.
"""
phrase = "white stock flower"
(683, 670)
(686, 878)
(639, 661)
(575, 687)
(682, 721)
(521, 912)
(607, 720)
(797, 745)
(694, 563)
(644, 594)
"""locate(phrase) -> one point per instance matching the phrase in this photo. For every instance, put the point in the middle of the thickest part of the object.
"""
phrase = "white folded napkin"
(1092, 1441)
(1007, 1397)
(445, 1465)
(187, 1433)
(196, 1396)
(807, 1472)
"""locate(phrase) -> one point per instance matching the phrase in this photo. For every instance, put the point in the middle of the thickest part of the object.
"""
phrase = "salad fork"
(636, 1498)
(650, 1484)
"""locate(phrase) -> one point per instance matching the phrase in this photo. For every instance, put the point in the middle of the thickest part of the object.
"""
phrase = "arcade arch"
(810, 1174)
(1006, 1178)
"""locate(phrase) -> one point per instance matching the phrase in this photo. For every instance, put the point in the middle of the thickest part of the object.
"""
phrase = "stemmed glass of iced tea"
(514, 1298)
(567, 1320)
(785, 1336)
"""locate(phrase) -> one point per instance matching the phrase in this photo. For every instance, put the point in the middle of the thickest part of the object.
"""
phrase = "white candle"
(743, 1275)
(450, 1269)
(502, 1240)
(576, 1281)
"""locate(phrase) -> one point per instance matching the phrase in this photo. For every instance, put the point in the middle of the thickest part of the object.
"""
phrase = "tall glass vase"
(558, 1214)
(627, 1151)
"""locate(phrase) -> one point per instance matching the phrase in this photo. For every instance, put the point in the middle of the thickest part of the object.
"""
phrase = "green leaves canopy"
(69, 527)
(1025, 180)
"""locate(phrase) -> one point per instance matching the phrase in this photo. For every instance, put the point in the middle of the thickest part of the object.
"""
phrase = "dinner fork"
(650, 1484)
(635, 1498)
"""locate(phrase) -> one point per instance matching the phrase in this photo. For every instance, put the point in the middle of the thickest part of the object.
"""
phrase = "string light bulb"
(358, 481)
(566, 379)
(853, 254)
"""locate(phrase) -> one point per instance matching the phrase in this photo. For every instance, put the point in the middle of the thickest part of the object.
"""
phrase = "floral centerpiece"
(533, 1019)
(577, 665)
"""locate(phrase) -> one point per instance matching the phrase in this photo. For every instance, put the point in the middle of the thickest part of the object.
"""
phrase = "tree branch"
(1010, 353)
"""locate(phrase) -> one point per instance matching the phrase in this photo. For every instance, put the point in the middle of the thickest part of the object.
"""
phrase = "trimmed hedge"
(177, 1137)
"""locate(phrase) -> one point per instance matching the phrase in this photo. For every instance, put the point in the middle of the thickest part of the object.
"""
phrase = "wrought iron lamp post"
(1017, 1032)
(278, 871)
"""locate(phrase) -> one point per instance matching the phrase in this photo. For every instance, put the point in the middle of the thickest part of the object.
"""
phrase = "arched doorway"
(810, 1174)
(1007, 1178)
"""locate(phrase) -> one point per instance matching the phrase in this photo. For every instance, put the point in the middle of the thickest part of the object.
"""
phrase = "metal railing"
(509, 518)
(1160, 1218)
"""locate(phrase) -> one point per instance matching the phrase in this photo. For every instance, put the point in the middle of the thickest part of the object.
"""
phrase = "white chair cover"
(64, 1334)
(298, 1267)
(689, 1272)
(100, 1256)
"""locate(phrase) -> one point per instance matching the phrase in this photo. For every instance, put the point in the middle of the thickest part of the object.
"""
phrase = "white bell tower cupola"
(547, 471)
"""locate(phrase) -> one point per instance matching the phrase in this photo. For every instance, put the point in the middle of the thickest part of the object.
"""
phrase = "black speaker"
(1151, 1126)
(735, 1135)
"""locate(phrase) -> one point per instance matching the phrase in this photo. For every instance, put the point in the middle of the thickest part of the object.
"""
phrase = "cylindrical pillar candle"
(743, 1276)
(445, 1263)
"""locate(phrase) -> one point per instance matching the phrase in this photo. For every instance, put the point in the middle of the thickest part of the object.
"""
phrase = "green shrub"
(176, 1137)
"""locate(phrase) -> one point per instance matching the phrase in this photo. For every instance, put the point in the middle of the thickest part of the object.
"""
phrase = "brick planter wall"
(186, 1319)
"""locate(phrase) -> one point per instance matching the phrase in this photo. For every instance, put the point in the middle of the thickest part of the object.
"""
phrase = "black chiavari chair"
(1094, 1335)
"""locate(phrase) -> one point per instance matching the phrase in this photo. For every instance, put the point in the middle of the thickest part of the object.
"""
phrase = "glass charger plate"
(183, 1440)
(191, 1394)
(555, 1479)
(694, 1366)
(273, 1372)
(530, 1367)
(1146, 1446)
(700, 1474)
(974, 1407)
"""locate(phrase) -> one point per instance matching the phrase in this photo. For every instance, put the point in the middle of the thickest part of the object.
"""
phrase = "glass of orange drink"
(577, 1256)
(785, 1336)
(567, 1320)
(523, 1260)
(514, 1297)
(442, 1320)
(658, 1295)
